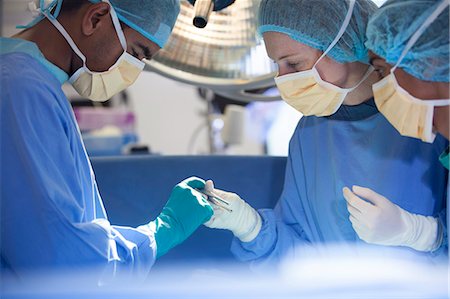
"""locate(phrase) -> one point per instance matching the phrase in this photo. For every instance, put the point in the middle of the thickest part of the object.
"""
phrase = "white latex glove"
(377, 220)
(243, 220)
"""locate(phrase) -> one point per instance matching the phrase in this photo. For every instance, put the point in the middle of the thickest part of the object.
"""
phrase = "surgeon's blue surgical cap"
(392, 26)
(316, 23)
(154, 19)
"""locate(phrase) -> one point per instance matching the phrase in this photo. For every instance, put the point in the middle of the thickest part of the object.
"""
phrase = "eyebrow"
(146, 50)
(285, 56)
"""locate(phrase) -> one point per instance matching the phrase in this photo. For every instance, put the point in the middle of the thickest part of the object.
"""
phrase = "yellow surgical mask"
(411, 116)
(307, 92)
(100, 86)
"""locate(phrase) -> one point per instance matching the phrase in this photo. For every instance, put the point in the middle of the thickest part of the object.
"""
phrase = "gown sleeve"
(48, 217)
(281, 231)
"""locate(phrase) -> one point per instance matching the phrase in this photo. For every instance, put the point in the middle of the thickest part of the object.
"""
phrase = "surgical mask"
(100, 86)
(307, 92)
(411, 116)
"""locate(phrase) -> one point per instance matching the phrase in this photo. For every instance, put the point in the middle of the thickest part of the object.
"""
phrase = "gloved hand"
(377, 220)
(243, 221)
(183, 213)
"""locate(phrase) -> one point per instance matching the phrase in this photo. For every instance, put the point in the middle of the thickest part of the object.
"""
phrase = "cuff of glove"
(424, 232)
(252, 231)
(166, 234)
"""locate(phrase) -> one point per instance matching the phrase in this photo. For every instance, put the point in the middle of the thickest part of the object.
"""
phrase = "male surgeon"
(52, 215)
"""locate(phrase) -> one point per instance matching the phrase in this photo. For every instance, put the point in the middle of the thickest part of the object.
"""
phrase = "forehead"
(280, 45)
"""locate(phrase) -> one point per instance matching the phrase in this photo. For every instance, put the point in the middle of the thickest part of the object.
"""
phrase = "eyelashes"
(134, 53)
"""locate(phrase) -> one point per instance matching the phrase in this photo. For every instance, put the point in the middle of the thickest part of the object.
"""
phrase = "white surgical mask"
(307, 92)
(100, 86)
(411, 116)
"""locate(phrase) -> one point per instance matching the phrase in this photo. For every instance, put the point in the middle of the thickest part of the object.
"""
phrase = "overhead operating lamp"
(226, 55)
(203, 9)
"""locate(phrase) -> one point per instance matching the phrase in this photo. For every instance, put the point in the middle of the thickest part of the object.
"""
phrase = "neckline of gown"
(355, 112)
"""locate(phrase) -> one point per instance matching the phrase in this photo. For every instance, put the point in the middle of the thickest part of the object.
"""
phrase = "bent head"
(421, 89)
(100, 44)
(146, 26)
(423, 69)
(297, 32)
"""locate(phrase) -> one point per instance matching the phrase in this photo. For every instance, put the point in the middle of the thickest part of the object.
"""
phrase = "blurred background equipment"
(234, 124)
(108, 128)
(226, 56)
(216, 47)
(272, 124)
(225, 120)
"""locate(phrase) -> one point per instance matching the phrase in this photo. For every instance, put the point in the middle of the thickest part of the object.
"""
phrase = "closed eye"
(134, 53)
(145, 51)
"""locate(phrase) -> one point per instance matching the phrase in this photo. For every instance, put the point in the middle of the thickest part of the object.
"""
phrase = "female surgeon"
(409, 44)
(342, 140)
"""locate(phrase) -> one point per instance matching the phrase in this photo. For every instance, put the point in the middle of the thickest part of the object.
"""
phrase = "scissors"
(213, 198)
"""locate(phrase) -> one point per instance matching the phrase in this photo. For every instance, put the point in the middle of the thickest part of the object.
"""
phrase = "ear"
(94, 17)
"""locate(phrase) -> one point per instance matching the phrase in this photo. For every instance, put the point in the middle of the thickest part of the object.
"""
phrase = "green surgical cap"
(392, 26)
(316, 23)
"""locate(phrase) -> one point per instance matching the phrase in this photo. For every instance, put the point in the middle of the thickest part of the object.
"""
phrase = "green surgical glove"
(183, 213)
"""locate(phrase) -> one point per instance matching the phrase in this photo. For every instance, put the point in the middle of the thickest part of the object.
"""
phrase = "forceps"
(213, 198)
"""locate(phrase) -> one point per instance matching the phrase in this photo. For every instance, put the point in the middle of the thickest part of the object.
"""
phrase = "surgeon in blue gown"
(52, 215)
(343, 140)
(412, 58)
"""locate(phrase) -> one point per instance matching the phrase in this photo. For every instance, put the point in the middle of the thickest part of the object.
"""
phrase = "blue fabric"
(445, 159)
(355, 146)
(391, 27)
(316, 24)
(447, 219)
(154, 19)
(134, 187)
(10, 45)
(52, 215)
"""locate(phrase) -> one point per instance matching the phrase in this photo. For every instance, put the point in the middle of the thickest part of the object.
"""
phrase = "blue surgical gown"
(52, 215)
(355, 146)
